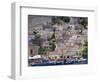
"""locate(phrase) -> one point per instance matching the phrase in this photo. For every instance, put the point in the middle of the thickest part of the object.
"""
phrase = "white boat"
(35, 57)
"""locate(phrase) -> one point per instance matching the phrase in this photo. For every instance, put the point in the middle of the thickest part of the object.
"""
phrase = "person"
(31, 52)
(64, 60)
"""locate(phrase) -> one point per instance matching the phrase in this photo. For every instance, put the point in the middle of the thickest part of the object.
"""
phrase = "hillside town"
(57, 40)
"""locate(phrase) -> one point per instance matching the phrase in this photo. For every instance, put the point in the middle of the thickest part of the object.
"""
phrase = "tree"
(83, 22)
(56, 19)
(86, 43)
(52, 41)
(42, 50)
(53, 47)
(85, 52)
(65, 19)
(37, 40)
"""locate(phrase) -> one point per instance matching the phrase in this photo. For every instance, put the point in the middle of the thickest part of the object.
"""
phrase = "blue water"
(67, 63)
